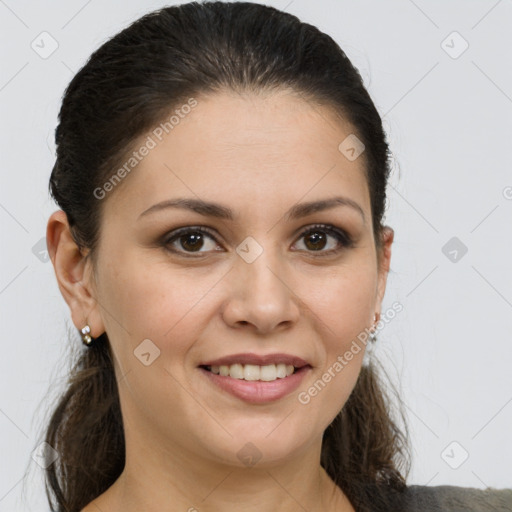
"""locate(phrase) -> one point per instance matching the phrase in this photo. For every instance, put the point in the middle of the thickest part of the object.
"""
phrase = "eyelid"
(341, 235)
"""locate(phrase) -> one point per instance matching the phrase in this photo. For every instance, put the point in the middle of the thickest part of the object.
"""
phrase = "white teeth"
(281, 371)
(253, 372)
(236, 371)
(268, 373)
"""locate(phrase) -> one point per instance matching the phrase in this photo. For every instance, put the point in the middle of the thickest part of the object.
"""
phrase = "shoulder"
(451, 498)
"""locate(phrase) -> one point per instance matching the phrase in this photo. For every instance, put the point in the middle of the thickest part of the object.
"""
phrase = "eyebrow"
(211, 209)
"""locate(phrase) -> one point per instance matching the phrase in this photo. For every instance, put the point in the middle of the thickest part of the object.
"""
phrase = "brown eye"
(316, 239)
(190, 240)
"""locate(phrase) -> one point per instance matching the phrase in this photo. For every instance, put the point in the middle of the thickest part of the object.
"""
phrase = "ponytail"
(86, 430)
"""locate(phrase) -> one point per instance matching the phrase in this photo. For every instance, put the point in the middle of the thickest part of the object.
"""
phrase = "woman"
(221, 173)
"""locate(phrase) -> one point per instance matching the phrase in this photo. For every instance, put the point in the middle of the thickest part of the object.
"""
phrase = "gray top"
(450, 498)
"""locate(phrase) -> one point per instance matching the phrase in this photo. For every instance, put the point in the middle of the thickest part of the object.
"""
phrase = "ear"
(74, 274)
(384, 259)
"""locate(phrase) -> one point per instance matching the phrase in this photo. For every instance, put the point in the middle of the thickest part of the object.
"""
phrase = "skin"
(258, 155)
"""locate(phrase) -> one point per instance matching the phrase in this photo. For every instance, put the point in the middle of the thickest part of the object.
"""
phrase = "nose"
(261, 295)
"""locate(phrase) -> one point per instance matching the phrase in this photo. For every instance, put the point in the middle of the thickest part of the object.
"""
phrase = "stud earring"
(86, 338)
(373, 336)
(368, 353)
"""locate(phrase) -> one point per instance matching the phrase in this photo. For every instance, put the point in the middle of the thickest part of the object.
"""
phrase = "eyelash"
(340, 235)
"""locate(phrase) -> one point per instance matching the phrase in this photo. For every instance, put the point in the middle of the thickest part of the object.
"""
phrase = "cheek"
(167, 308)
(344, 303)
(147, 301)
(342, 313)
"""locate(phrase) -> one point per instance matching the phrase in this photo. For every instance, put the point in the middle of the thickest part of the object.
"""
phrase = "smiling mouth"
(252, 372)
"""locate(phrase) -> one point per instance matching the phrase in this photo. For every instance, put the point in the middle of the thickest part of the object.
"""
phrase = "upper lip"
(259, 360)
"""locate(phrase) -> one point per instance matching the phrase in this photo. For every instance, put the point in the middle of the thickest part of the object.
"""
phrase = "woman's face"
(254, 284)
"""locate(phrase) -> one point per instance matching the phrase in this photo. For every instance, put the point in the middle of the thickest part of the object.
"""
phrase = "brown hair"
(128, 86)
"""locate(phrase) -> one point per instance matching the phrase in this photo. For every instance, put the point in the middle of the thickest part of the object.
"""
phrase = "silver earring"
(86, 338)
(373, 335)
(368, 352)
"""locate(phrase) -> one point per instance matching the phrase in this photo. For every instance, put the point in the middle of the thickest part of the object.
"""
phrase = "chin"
(261, 447)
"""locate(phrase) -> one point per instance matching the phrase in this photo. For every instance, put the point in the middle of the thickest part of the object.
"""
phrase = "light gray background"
(449, 122)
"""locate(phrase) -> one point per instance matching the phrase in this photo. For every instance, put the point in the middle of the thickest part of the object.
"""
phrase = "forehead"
(251, 148)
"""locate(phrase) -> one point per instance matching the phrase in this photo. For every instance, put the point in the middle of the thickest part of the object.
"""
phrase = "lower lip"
(256, 391)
